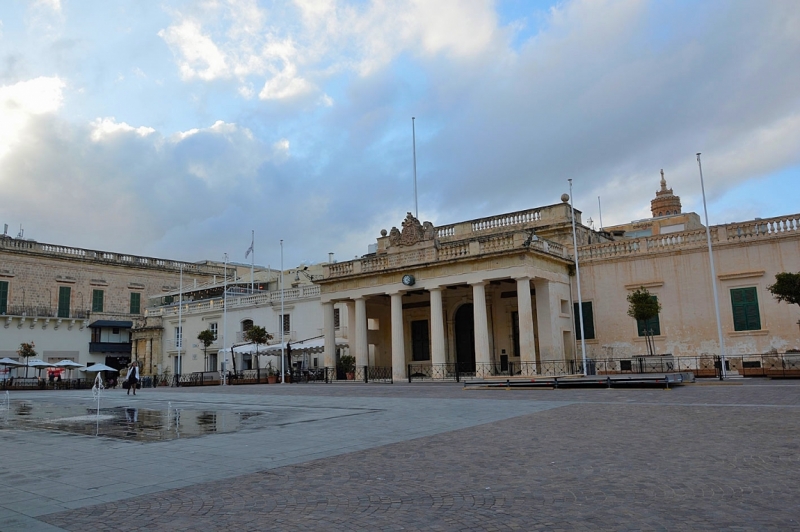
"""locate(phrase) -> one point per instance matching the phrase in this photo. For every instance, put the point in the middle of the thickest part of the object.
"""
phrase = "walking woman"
(132, 377)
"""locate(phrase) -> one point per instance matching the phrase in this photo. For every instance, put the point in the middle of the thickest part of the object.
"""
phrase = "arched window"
(247, 325)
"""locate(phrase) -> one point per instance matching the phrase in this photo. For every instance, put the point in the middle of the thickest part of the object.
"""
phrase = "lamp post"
(722, 371)
(224, 368)
(283, 346)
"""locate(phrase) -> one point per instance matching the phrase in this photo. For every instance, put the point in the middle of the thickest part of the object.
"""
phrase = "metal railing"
(786, 365)
(40, 311)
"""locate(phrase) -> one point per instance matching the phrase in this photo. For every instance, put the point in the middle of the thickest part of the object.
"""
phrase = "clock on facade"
(408, 280)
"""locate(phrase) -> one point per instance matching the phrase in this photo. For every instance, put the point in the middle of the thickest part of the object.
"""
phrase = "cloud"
(200, 56)
(105, 128)
(23, 100)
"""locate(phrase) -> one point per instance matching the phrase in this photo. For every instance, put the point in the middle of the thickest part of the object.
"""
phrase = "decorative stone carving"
(394, 237)
(413, 232)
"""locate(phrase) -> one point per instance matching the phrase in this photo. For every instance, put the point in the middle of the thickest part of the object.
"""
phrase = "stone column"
(437, 327)
(350, 305)
(527, 345)
(548, 310)
(398, 339)
(362, 348)
(482, 355)
(329, 332)
(134, 343)
(148, 356)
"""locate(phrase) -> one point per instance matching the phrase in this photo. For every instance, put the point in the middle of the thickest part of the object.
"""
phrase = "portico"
(444, 299)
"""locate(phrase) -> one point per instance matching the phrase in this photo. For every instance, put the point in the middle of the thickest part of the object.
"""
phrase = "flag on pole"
(250, 249)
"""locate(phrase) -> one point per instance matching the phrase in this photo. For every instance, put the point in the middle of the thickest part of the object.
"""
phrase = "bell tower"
(665, 202)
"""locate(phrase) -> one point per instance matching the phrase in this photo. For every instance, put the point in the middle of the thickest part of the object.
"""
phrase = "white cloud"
(55, 5)
(23, 100)
(104, 128)
(286, 84)
(200, 56)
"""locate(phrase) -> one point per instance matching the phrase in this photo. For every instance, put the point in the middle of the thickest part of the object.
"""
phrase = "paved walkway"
(424, 457)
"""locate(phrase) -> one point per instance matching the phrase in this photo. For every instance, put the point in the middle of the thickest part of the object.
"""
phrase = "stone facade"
(53, 294)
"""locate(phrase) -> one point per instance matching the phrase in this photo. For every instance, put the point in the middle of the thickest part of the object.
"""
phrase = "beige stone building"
(498, 295)
(80, 304)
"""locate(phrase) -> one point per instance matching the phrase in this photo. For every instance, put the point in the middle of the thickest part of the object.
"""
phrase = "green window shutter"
(168, 300)
(653, 324)
(588, 321)
(97, 301)
(3, 297)
(136, 302)
(744, 303)
(64, 297)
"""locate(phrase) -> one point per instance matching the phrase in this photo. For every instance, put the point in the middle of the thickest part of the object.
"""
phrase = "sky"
(175, 128)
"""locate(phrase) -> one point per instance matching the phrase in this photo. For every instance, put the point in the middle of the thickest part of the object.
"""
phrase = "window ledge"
(592, 341)
(758, 332)
(642, 338)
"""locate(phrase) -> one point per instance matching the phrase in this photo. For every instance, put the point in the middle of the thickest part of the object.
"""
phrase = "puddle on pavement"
(126, 422)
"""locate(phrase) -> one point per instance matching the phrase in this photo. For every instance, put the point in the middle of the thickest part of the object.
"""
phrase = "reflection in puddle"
(124, 422)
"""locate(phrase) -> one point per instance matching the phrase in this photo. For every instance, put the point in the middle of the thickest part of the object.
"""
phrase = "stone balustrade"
(190, 307)
(106, 257)
(694, 239)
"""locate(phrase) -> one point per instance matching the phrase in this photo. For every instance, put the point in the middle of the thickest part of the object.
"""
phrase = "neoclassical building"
(499, 294)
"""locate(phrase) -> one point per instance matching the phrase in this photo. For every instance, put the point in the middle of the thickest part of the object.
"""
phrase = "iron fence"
(786, 365)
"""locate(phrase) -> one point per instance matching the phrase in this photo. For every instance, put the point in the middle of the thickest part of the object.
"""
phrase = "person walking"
(132, 377)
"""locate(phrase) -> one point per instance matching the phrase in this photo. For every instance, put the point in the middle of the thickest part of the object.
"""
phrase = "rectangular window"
(336, 318)
(745, 309)
(213, 327)
(588, 321)
(97, 301)
(3, 297)
(168, 300)
(287, 325)
(64, 297)
(420, 340)
(178, 337)
(653, 326)
(136, 303)
(212, 362)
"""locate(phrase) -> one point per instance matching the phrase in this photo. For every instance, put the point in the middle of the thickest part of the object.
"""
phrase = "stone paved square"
(707, 456)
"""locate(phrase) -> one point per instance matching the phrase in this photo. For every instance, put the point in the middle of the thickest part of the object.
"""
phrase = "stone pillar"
(362, 348)
(548, 310)
(527, 345)
(148, 356)
(482, 355)
(350, 305)
(398, 339)
(437, 327)
(134, 343)
(329, 331)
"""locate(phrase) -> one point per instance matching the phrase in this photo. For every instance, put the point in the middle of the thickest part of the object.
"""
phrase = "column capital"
(436, 289)
(523, 278)
(479, 283)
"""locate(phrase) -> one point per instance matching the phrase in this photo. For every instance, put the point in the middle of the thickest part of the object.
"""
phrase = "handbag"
(126, 384)
(138, 385)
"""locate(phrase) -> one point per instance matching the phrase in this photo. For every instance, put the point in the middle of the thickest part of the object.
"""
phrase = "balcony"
(110, 347)
(45, 312)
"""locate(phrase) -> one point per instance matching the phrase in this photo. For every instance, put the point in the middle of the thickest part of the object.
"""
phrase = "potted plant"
(272, 375)
(348, 364)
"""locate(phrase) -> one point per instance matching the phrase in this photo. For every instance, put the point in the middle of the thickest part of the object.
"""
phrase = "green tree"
(786, 287)
(643, 306)
(207, 338)
(258, 335)
(26, 350)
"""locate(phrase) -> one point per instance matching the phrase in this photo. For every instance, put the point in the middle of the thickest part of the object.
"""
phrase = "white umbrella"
(38, 364)
(9, 362)
(99, 367)
(67, 364)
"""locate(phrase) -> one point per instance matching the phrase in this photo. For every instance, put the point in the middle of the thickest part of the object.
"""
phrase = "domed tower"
(665, 203)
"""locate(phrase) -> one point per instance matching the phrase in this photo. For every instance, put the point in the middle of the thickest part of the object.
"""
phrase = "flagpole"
(578, 279)
(283, 344)
(414, 148)
(224, 323)
(180, 328)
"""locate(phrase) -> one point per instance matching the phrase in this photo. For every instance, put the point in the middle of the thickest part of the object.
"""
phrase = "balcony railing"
(189, 307)
(45, 312)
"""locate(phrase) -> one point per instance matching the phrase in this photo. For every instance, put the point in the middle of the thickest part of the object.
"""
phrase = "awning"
(111, 323)
(312, 345)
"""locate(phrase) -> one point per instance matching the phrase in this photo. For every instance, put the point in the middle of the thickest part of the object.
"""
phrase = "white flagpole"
(578, 279)
(723, 373)
(224, 367)
(252, 257)
(414, 147)
(283, 345)
(180, 326)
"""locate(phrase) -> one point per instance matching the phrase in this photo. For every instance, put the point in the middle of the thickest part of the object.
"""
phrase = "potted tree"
(258, 335)
(272, 374)
(348, 364)
(26, 350)
(643, 307)
(206, 338)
